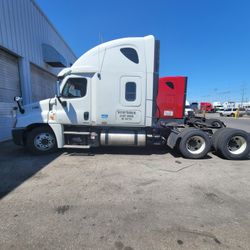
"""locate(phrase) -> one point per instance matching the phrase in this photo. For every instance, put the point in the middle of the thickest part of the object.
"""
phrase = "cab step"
(76, 146)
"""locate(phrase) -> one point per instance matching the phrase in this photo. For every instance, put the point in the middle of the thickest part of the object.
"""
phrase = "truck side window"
(75, 88)
(131, 54)
(130, 91)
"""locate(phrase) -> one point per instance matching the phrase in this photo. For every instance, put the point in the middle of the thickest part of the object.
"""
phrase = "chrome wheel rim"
(195, 144)
(237, 145)
(44, 141)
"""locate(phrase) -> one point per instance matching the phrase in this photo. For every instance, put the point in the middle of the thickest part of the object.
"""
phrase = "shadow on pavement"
(159, 150)
(17, 165)
(150, 150)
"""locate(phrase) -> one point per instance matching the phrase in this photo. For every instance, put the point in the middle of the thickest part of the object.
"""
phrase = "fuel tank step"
(75, 133)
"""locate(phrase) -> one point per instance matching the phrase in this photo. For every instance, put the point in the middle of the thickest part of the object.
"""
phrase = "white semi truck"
(108, 98)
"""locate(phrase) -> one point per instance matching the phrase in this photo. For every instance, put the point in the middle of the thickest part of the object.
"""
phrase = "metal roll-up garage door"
(9, 87)
(42, 84)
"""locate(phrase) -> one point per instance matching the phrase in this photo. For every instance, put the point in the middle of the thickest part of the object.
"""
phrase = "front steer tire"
(41, 140)
(194, 144)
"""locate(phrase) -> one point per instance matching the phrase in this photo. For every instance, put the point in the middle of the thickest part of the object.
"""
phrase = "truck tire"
(233, 144)
(216, 123)
(216, 137)
(41, 140)
(194, 144)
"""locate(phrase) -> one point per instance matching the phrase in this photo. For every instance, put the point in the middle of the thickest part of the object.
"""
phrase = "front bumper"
(18, 135)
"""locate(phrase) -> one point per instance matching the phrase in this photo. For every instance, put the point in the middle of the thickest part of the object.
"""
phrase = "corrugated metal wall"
(23, 29)
(9, 76)
(42, 84)
(9, 87)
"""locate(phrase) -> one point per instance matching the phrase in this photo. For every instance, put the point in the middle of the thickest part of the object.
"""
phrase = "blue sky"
(206, 40)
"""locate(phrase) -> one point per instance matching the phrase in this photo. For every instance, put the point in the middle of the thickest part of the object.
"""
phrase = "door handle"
(86, 116)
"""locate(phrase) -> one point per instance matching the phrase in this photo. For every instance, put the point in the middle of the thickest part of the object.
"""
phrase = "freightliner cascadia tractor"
(112, 96)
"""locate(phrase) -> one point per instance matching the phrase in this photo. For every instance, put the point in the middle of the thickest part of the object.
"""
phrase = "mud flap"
(172, 139)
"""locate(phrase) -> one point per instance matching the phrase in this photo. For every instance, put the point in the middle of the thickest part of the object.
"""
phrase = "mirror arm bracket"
(63, 103)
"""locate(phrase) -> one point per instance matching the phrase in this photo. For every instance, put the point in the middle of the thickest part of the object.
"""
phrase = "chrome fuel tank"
(123, 138)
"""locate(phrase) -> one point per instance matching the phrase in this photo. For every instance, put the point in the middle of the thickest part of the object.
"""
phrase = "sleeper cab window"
(131, 54)
(130, 91)
(75, 88)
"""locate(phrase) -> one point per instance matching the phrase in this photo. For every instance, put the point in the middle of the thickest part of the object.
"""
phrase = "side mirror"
(18, 98)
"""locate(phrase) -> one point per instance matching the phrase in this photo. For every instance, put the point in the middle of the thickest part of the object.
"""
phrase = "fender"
(173, 138)
(58, 131)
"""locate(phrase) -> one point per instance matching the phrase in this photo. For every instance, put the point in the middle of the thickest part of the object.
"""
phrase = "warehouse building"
(32, 52)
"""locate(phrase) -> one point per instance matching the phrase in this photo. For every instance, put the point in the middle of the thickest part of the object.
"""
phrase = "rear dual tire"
(232, 144)
(194, 143)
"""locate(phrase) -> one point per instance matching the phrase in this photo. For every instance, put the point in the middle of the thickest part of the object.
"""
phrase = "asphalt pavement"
(240, 123)
(123, 199)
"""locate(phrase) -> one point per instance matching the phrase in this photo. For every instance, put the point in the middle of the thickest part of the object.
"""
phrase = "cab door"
(73, 106)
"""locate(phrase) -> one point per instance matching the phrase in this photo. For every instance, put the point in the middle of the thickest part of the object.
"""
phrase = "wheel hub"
(237, 145)
(44, 141)
(195, 144)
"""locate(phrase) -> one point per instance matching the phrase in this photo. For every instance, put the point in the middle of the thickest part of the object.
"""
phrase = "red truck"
(206, 106)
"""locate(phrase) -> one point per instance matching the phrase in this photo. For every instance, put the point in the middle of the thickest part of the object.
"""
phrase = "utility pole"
(243, 91)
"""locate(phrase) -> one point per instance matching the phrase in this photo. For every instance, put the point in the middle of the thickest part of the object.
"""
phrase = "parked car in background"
(247, 108)
(220, 110)
(232, 112)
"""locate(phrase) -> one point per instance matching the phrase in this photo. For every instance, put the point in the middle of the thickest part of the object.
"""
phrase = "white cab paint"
(111, 70)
